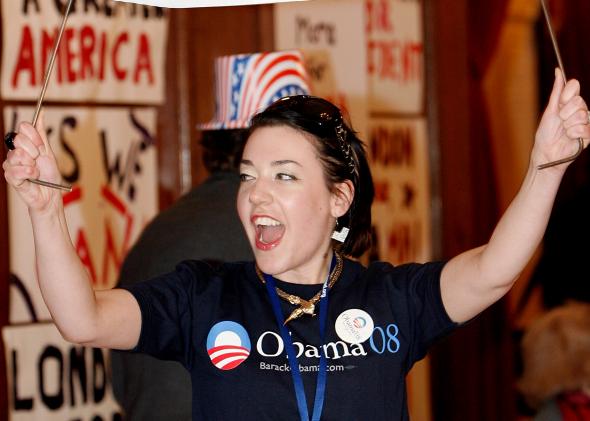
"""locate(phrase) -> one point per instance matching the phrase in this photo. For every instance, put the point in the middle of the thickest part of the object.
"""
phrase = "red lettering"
(405, 242)
(413, 62)
(85, 55)
(378, 16)
(26, 58)
(395, 60)
(368, 13)
(393, 146)
(370, 60)
(116, 256)
(61, 65)
(84, 254)
(47, 41)
(121, 39)
(69, 55)
(102, 55)
(72, 197)
(381, 191)
(110, 254)
(143, 62)
(388, 69)
(87, 44)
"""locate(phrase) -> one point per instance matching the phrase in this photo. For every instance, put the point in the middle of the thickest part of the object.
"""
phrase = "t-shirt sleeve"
(167, 309)
(426, 317)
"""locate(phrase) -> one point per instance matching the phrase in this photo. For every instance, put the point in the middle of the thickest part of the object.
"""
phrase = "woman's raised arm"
(473, 280)
(109, 319)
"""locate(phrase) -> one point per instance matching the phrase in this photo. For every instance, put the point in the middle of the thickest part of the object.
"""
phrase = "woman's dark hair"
(222, 149)
(342, 155)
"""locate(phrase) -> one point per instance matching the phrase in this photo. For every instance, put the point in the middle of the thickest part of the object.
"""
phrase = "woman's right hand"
(32, 157)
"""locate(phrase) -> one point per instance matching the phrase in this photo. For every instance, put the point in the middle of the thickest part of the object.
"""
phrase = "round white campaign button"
(354, 326)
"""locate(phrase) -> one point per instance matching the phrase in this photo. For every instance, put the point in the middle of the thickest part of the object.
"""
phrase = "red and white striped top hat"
(248, 83)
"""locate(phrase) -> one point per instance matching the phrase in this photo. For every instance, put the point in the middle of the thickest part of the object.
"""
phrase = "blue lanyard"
(294, 365)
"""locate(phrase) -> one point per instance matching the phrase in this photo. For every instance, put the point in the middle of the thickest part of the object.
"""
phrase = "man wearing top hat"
(194, 227)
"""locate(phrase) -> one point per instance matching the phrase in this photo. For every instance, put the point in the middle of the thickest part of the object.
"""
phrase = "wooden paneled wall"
(472, 370)
(197, 36)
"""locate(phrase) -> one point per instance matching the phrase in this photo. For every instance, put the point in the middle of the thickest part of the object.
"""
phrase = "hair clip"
(345, 147)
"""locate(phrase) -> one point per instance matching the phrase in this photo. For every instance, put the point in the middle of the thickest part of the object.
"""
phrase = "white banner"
(109, 52)
(52, 380)
(398, 152)
(109, 157)
(395, 56)
(203, 3)
(334, 45)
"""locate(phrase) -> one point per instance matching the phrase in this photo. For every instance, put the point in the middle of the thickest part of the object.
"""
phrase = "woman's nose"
(260, 192)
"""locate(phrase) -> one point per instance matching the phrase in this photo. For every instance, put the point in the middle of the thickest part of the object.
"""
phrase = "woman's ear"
(342, 197)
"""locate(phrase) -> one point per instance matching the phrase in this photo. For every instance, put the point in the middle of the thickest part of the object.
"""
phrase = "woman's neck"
(312, 273)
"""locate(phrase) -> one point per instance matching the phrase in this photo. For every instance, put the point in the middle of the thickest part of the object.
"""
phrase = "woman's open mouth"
(268, 232)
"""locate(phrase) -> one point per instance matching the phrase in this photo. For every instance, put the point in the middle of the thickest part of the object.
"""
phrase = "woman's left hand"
(565, 120)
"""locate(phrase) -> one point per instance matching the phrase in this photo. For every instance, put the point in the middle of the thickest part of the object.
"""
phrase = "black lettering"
(13, 122)
(113, 169)
(62, 4)
(57, 400)
(314, 33)
(146, 138)
(300, 27)
(26, 6)
(89, 3)
(78, 370)
(317, 69)
(21, 289)
(108, 8)
(20, 403)
(74, 174)
(99, 375)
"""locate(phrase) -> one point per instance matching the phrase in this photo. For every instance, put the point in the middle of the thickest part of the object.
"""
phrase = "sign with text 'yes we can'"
(108, 156)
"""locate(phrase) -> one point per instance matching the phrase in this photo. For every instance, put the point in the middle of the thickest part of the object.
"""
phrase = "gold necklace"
(306, 306)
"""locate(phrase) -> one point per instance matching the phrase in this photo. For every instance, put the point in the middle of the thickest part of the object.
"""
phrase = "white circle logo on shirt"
(228, 345)
(354, 326)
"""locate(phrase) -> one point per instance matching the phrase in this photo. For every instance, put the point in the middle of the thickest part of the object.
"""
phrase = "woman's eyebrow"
(246, 162)
(285, 162)
(280, 162)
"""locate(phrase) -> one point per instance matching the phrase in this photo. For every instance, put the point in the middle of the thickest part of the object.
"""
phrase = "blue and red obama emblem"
(228, 345)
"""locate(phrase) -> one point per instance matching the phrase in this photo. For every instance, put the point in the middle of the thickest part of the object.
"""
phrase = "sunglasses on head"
(326, 114)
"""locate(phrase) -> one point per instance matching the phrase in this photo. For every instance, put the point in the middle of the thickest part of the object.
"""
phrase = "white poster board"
(109, 157)
(110, 52)
(398, 153)
(395, 47)
(52, 380)
(334, 46)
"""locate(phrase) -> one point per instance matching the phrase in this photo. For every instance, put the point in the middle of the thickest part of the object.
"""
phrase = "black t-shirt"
(220, 325)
